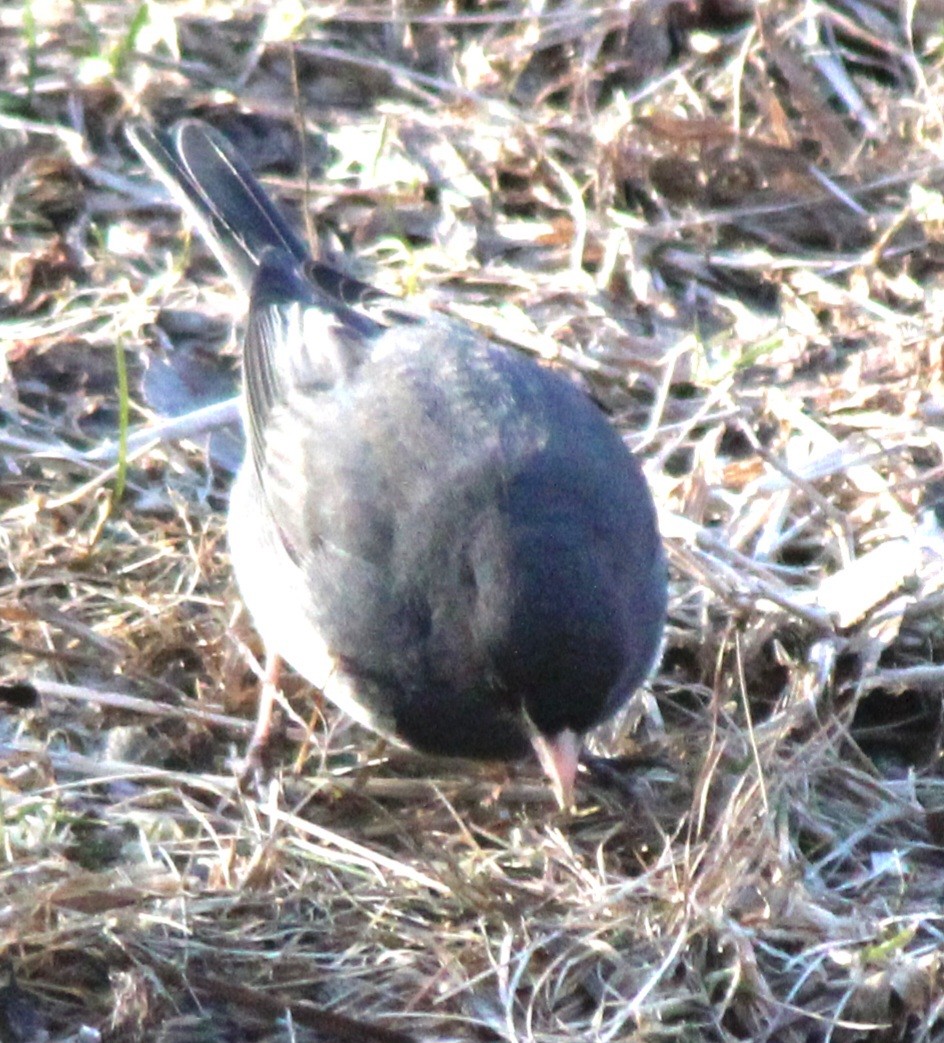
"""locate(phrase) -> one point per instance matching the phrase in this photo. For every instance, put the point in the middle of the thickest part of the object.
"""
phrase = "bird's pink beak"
(559, 757)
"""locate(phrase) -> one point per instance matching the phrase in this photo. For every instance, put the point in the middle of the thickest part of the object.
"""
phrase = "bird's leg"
(255, 764)
(317, 714)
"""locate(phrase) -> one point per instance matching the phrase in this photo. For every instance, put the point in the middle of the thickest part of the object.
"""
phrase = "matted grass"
(728, 223)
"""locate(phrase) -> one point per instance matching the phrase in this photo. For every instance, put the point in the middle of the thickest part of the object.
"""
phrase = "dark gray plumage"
(448, 539)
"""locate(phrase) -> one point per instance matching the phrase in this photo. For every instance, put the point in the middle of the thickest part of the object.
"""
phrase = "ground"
(727, 222)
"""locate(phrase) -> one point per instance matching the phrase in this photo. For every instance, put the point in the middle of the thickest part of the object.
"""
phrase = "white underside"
(273, 590)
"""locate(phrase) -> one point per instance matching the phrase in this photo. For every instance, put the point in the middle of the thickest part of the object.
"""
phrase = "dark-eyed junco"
(447, 538)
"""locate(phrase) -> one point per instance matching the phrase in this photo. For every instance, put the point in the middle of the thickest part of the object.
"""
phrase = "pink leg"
(255, 762)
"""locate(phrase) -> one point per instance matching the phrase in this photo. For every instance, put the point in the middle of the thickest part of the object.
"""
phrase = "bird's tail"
(218, 191)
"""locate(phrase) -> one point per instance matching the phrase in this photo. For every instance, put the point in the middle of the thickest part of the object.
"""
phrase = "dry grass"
(729, 222)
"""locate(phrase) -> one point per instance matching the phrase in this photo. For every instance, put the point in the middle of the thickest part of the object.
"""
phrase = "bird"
(446, 537)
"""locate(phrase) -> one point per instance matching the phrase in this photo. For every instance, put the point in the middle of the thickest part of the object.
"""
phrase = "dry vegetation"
(728, 222)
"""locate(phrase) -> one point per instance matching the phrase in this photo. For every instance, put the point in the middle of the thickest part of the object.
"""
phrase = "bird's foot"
(254, 770)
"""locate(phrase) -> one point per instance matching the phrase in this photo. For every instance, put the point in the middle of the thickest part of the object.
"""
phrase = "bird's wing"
(300, 344)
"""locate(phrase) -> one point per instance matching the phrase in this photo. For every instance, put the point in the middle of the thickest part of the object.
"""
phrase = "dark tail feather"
(219, 192)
